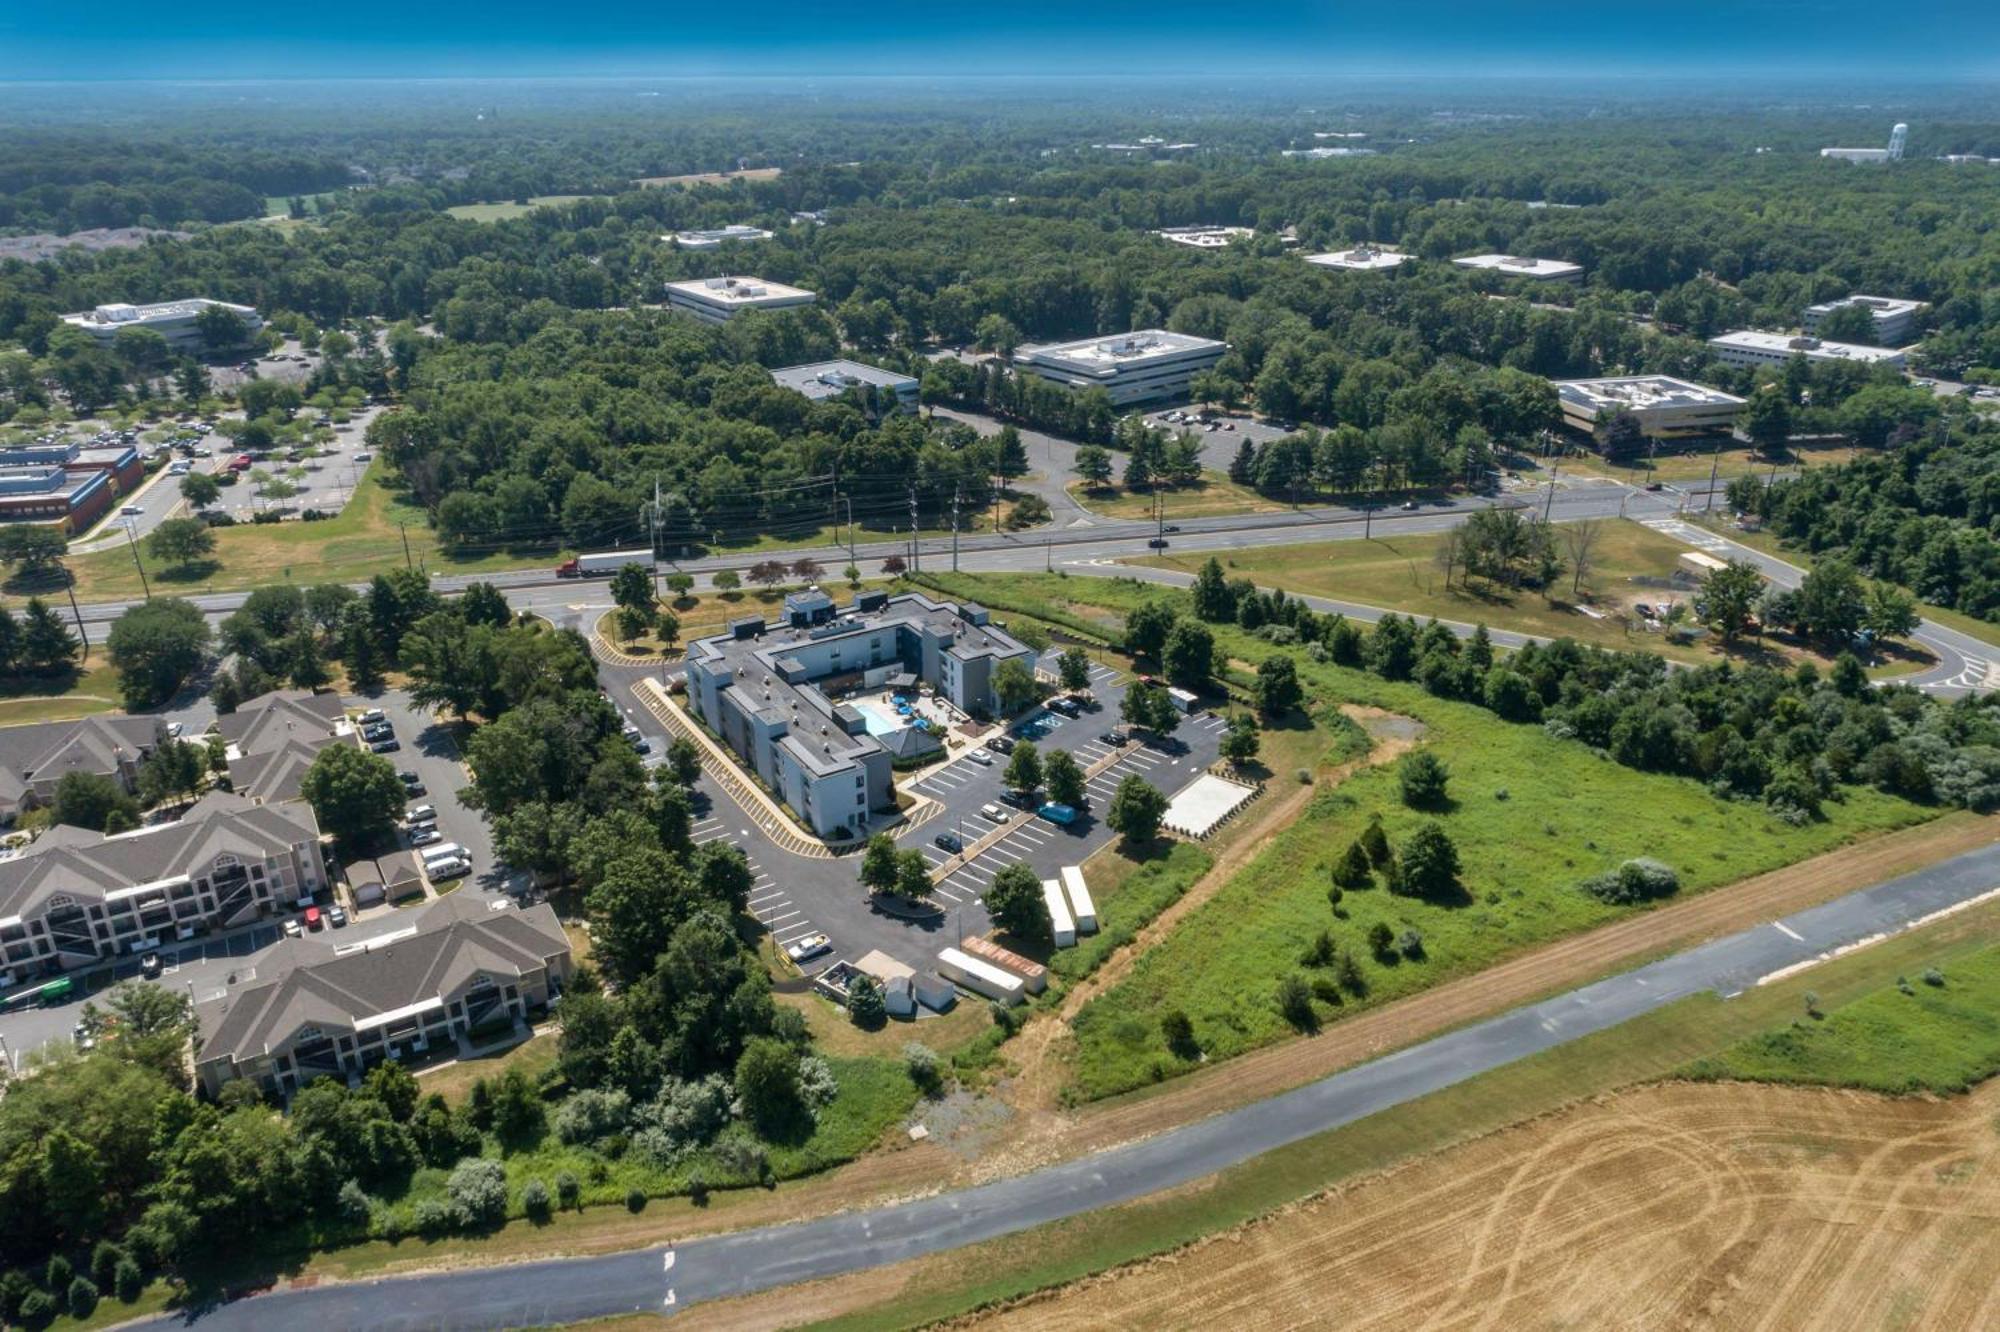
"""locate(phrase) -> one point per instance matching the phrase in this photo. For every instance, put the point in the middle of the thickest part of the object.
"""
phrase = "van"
(447, 869)
(443, 851)
(372, 717)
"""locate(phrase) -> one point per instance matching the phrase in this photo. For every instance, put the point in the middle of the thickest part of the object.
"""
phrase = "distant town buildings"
(1751, 347)
(1665, 407)
(716, 239)
(1514, 265)
(829, 379)
(176, 321)
(1361, 259)
(1898, 136)
(717, 300)
(66, 484)
(1136, 367)
(1318, 154)
(1151, 143)
(1205, 238)
(1894, 320)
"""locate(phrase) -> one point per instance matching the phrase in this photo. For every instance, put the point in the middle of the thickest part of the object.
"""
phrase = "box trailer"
(1002, 987)
(1062, 926)
(1183, 700)
(1033, 974)
(603, 564)
(1080, 905)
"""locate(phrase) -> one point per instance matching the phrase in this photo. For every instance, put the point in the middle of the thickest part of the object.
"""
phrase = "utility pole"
(1048, 555)
(1549, 507)
(954, 527)
(132, 539)
(404, 528)
(69, 586)
(1714, 464)
(916, 547)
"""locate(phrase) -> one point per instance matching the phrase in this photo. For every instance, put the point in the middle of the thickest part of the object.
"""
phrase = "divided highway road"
(663, 1280)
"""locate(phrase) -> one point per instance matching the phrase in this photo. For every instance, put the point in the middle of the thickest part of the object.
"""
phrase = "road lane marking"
(1783, 928)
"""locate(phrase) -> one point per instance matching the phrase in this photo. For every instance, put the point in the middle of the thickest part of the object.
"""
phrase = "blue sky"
(1743, 40)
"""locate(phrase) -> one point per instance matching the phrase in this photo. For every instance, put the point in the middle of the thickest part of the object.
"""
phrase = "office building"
(829, 379)
(75, 897)
(54, 495)
(1361, 259)
(1205, 238)
(719, 299)
(176, 321)
(1898, 137)
(767, 692)
(1751, 347)
(717, 238)
(465, 969)
(1135, 367)
(1666, 408)
(1514, 265)
(1322, 154)
(1895, 320)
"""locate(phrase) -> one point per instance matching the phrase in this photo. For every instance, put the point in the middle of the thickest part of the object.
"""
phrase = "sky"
(1739, 40)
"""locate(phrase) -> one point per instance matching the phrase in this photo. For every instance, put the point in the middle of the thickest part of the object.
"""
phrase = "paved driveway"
(430, 752)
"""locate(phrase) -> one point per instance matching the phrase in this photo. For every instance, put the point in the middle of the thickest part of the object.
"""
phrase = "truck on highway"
(979, 977)
(602, 564)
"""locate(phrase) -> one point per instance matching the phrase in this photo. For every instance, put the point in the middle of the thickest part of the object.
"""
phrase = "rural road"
(663, 1280)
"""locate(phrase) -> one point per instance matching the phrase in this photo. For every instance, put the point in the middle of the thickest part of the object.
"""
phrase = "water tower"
(1897, 136)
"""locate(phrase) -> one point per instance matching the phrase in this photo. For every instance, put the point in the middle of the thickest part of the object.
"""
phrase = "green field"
(1935, 1031)
(1532, 817)
(94, 689)
(1214, 494)
(496, 212)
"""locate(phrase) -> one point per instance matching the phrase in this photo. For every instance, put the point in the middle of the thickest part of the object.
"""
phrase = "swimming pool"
(878, 719)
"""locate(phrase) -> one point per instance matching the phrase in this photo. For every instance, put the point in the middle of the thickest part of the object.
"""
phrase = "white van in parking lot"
(443, 851)
(454, 868)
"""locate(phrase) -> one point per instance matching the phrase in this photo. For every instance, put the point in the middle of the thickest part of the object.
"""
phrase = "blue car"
(1058, 813)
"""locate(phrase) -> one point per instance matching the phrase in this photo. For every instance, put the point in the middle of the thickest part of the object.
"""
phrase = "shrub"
(682, 1117)
(921, 1063)
(1932, 976)
(14, 1289)
(1375, 843)
(1423, 778)
(635, 1200)
(104, 1260)
(817, 1085)
(1326, 991)
(1410, 944)
(1005, 1017)
(744, 1159)
(1380, 937)
(535, 1200)
(1179, 1034)
(1295, 1003)
(354, 1204)
(1319, 952)
(128, 1281)
(82, 1297)
(1354, 868)
(37, 1308)
(1347, 972)
(59, 1274)
(569, 1192)
(864, 1004)
(478, 1189)
(698, 1189)
(589, 1115)
(1640, 880)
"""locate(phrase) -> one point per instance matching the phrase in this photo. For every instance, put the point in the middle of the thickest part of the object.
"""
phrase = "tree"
(807, 569)
(1429, 863)
(1136, 810)
(1831, 605)
(1728, 598)
(865, 1008)
(181, 541)
(1189, 655)
(1213, 599)
(1767, 420)
(1014, 685)
(1352, 870)
(767, 573)
(1148, 708)
(92, 800)
(32, 548)
(1242, 740)
(354, 794)
(200, 489)
(1024, 769)
(1147, 628)
(1892, 612)
(1010, 455)
(632, 591)
(767, 1084)
(1073, 668)
(913, 875)
(1423, 778)
(1277, 691)
(221, 328)
(1064, 779)
(1014, 899)
(173, 768)
(47, 646)
(683, 760)
(156, 646)
(1093, 466)
(878, 864)
(726, 581)
(680, 584)
(1581, 540)
(1618, 433)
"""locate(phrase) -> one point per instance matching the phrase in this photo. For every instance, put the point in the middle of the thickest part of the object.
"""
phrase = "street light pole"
(69, 586)
(132, 539)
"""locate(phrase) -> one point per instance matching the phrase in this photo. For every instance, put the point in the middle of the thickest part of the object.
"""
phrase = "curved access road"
(666, 1280)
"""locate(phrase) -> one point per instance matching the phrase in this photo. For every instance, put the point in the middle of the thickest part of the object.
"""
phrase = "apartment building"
(464, 969)
(1751, 347)
(717, 300)
(1135, 367)
(35, 757)
(764, 691)
(271, 740)
(76, 897)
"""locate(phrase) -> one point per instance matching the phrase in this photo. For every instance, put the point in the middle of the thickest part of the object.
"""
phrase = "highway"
(669, 1279)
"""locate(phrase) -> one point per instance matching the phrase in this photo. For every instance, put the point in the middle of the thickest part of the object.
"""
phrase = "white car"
(995, 813)
(981, 757)
(811, 946)
(133, 510)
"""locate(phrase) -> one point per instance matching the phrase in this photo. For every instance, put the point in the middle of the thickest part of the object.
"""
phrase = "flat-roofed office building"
(1521, 266)
(1894, 320)
(1132, 367)
(1204, 238)
(176, 321)
(717, 300)
(1749, 346)
(1665, 407)
(1361, 259)
(829, 379)
(717, 237)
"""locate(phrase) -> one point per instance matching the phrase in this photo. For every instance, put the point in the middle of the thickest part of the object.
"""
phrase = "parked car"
(293, 929)
(425, 836)
(415, 789)
(948, 842)
(133, 510)
(1001, 744)
(448, 869)
(408, 777)
(1409, 506)
(1058, 813)
(981, 757)
(811, 946)
(423, 814)
(337, 917)
(1116, 737)
(1066, 706)
(372, 717)
(388, 746)
(84, 1040)
(149, 965)
(313, 919)
(995, 813)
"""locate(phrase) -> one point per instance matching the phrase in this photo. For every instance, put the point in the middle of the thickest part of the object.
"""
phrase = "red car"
(313, 919)
(240, 463)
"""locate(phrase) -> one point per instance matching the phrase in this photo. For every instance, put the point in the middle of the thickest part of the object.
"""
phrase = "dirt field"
(1678, 1206)
(710, 177)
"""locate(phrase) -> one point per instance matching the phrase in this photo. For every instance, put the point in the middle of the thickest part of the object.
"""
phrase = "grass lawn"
(366, 539)
(496, 212)
(705, 613)
(1695, 463)
(1213, 495)
(1128, 893)
(1915, 1036)
(1641, 1050)
(1401, 573)
(454, 1081)
(25, 699)
(1533, 816)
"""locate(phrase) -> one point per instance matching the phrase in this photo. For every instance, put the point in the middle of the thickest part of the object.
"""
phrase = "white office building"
(1751, 347)
(1665, 407)
(1895, 320)
(1898, 136)
(829, 379)
(176, 321)
(717, 238)
(1515, 265)
(1134, 367)
(717, 300)
(1205, 238)
(1361, 259)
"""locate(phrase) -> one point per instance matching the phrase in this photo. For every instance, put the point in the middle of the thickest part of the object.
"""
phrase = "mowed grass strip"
(1213, 495)
(1936, 1031)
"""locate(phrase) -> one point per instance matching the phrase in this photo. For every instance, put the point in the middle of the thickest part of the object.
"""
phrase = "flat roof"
(1204, 238)
(718, 235)
(1751, 339)
(1523, 265)
(1107, 356)
(1881, 305)
(737, 290)
(119, 313)
(1641, 393)
(830, 379)
(1361, 258)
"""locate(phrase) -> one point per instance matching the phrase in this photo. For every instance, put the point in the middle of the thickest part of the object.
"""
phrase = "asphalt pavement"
(666, 1280)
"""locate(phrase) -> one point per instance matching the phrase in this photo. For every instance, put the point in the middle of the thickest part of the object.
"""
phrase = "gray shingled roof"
(269, 721)
(274, 775)
(313, 981)
(47, 750)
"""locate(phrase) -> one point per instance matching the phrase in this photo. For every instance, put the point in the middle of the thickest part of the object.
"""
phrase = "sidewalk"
(765, 812)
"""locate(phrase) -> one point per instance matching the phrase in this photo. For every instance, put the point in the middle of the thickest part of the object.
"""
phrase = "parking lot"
(428, 750)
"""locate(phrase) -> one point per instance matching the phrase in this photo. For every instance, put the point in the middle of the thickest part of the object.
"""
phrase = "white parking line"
(792, 931)
(772, 922)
